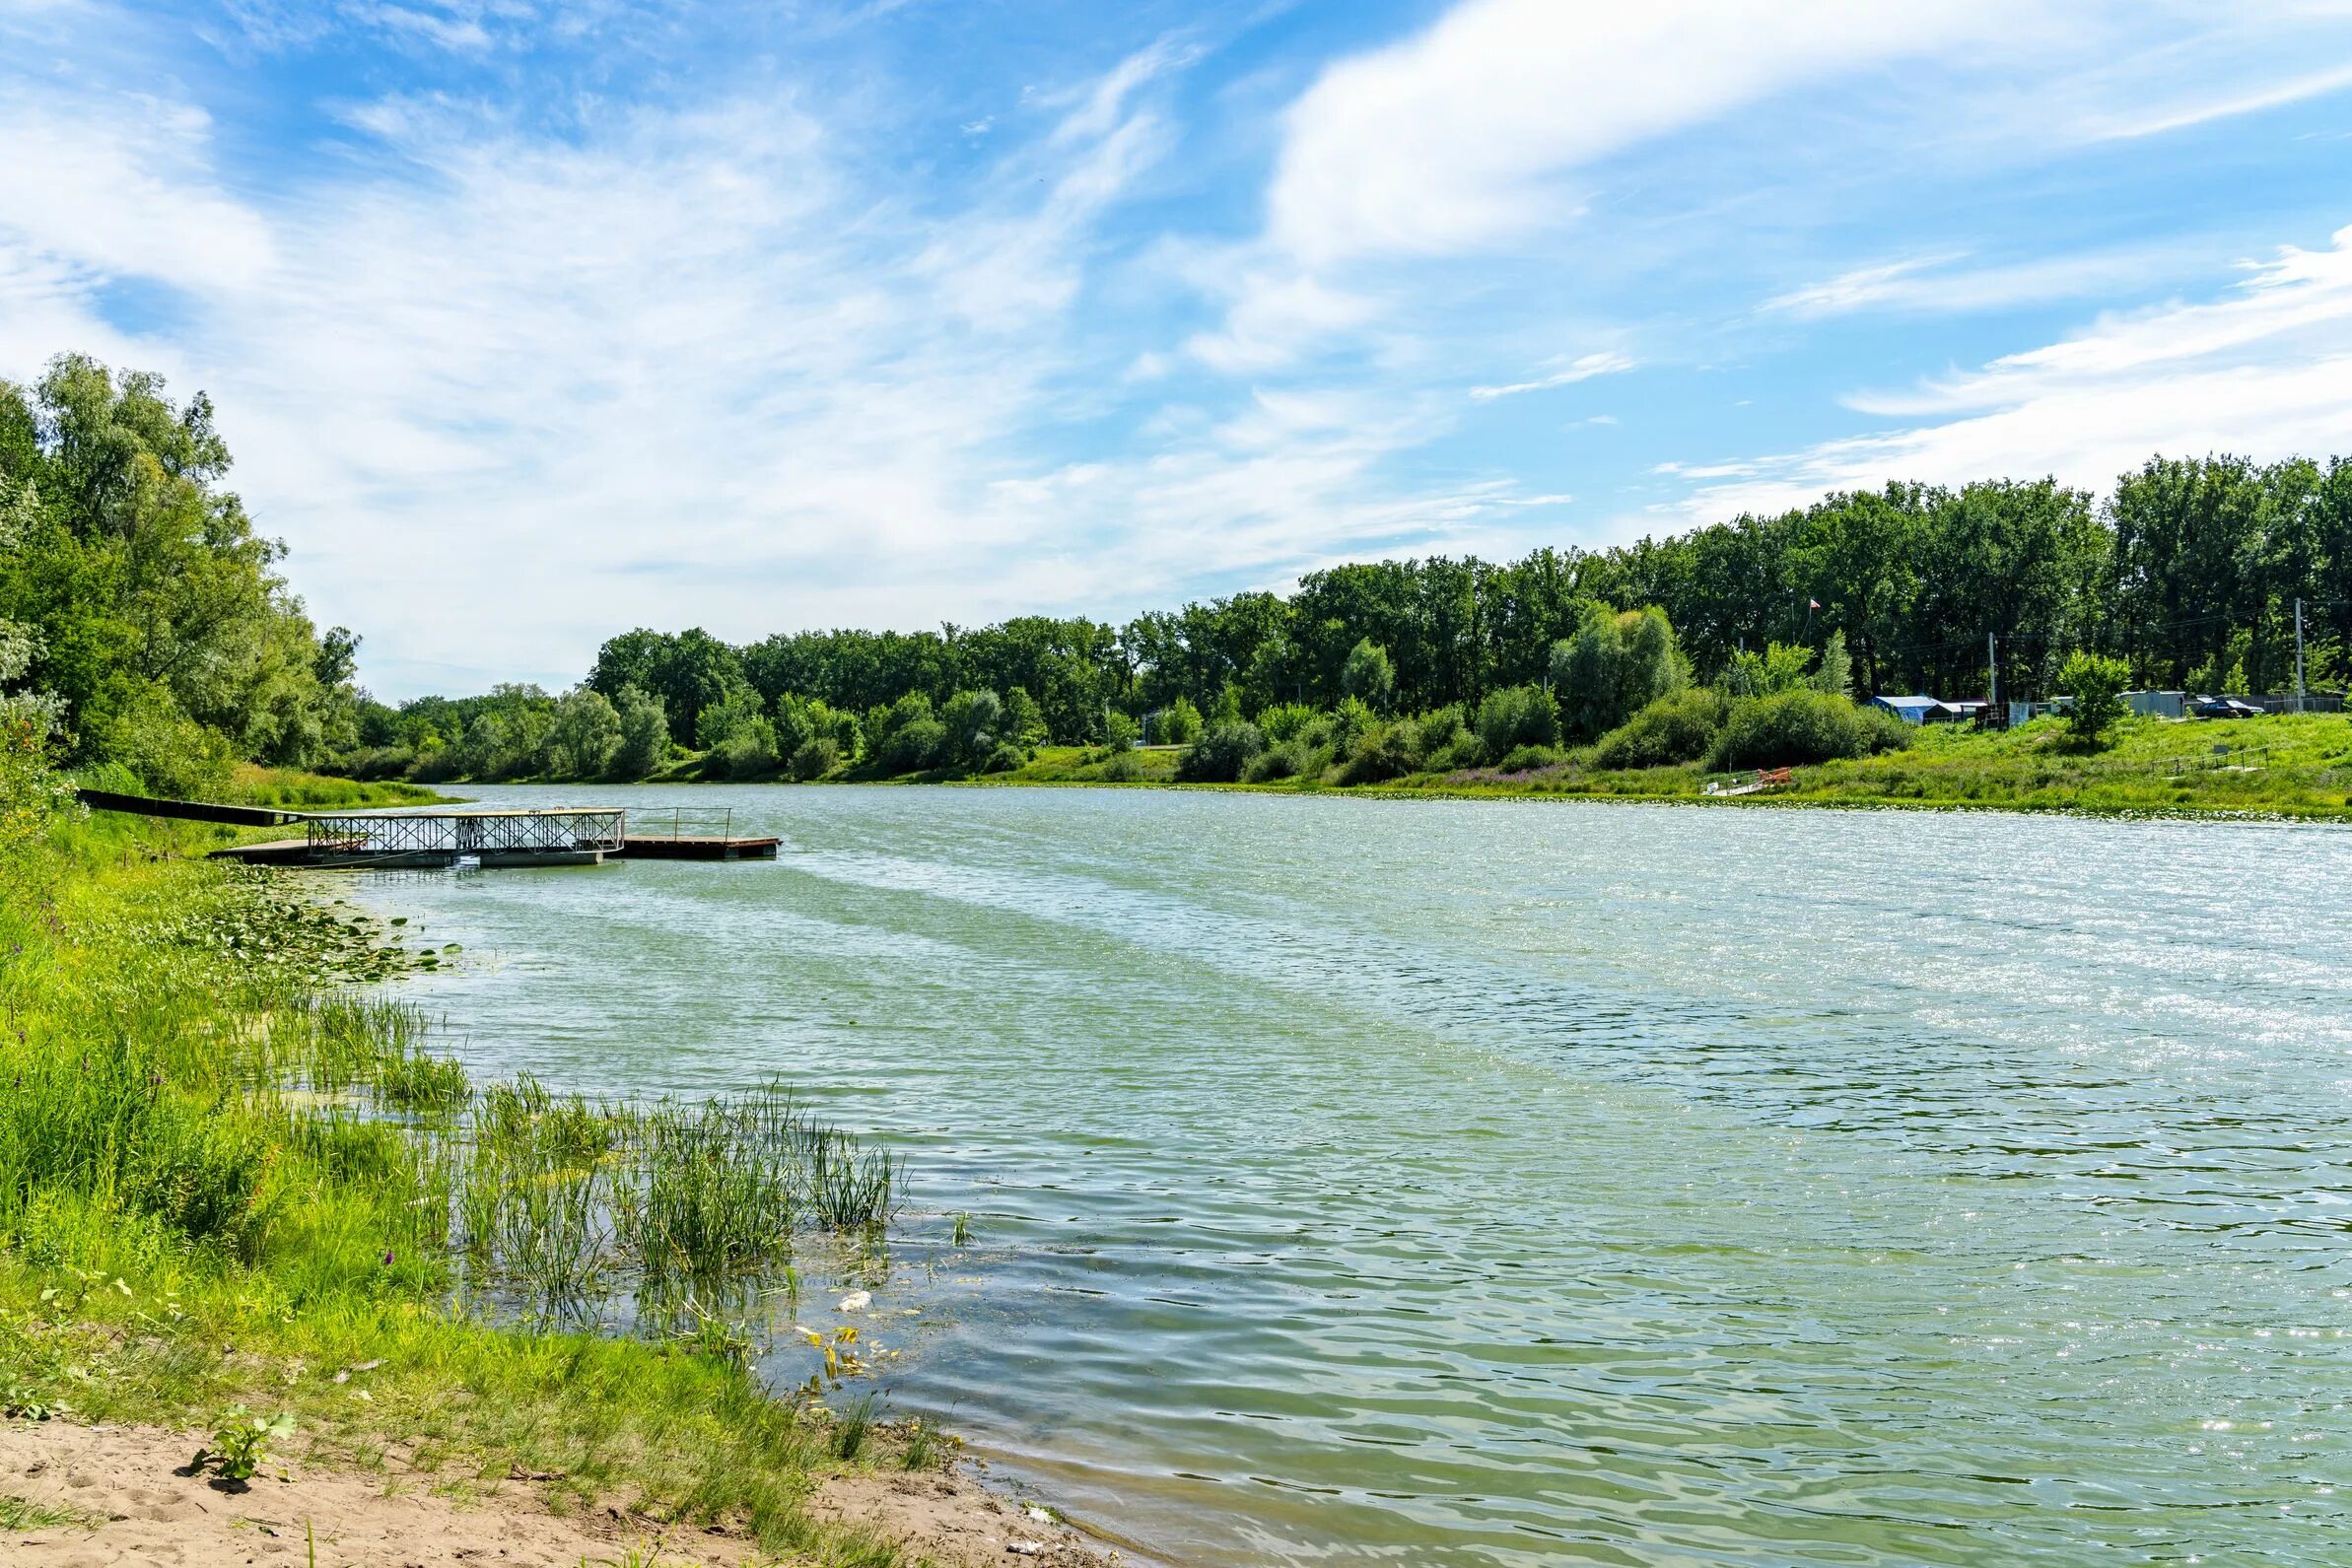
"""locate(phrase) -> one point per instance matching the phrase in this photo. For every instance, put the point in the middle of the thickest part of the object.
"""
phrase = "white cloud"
(1583, 368)
(507, 394)
(2205, 109)
(2264, 369)
(1936, 285)
(1454, 138)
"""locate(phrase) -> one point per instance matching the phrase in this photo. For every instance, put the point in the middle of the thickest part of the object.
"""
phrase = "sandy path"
(136, 1510)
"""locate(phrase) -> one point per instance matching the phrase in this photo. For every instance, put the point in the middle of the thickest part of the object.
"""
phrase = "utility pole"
(1992, 673)
(2298, 655)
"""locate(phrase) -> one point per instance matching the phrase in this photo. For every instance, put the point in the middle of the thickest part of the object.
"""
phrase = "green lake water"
(1512, 1183)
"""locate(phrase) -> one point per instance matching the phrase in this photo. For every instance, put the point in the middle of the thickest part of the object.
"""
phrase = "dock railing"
(677, 823)
(396, 835)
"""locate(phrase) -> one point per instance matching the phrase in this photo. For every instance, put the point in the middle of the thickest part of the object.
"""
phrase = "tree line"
(2189, 571)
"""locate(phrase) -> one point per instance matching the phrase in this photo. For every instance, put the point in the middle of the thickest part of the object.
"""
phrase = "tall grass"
(223, 1178)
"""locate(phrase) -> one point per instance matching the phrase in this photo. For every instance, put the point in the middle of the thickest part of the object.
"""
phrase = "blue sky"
(533, 322)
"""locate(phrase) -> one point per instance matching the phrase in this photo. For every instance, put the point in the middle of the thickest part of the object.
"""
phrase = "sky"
(530, 324)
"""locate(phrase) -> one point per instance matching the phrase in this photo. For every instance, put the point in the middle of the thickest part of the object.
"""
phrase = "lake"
(1513, 1183)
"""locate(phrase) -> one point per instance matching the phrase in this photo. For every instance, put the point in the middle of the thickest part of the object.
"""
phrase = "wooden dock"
(691, 833)
(696, 847)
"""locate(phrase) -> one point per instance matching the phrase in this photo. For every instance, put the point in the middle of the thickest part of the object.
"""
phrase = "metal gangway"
(543, 836)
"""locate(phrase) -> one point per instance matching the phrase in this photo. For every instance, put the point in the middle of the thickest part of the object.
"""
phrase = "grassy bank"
(228, 1178)
(2292, 766)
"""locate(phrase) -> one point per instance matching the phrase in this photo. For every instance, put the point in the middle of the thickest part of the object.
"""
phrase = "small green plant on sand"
(240, 1443)
(922, 1452)
(23, 1512)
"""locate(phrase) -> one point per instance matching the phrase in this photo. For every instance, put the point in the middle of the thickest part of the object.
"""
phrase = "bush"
(816, 757)
(1003, 759)
(749, 751)
(1389, 752)
(1515, 717)
(1120, 732)
(1221, 754)
(1287, 721)
(1181, 724)
(1527, 759)
(1286, 761)
(1123, 768)
(914, 746)
(1676, 729)
(1801, 727)
(2096, 682)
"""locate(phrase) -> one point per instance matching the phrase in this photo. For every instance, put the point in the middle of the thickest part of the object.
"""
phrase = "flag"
(1813, 604)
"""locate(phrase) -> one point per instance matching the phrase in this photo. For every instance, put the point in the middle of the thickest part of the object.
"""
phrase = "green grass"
(290, 790)
(229, 1177)
(24, 1514)
(2280, 766)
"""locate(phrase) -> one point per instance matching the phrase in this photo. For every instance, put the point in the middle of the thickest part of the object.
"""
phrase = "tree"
(1780, 668)
(1024, 720)
(1516, 717)
(721, 721)
(1181, 724)
(1836, 674)
(2096, 682)
(164, 630)
(1367, 676)
(587, 735)
(1614, 666)
(645, 732)
(975, 723)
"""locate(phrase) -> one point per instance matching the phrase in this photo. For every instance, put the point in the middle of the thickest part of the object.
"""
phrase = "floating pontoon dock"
(485, 836)
(692, 833)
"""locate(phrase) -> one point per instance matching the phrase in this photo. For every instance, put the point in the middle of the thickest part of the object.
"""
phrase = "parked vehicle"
(2224, 707)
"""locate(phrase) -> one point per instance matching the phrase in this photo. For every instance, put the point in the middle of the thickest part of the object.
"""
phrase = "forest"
(2190, 572)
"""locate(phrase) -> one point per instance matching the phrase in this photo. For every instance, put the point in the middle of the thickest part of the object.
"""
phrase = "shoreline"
(127, 1490)
(310, 1261)
(2108, 813)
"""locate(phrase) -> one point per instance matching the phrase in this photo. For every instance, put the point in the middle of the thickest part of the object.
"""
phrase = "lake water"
(1527, 1182)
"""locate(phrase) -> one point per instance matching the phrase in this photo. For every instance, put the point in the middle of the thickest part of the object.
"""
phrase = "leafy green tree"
(1368, 676)
(645, 732)
(1024, 720)
(163, 628)
(1836, 674)
(906, 736)
(975, 724)
(1180, 725)
(1221, 754)
(587, 735)
(1516, 717)
(2096, 682)
(1118, 732)
(732, 714)
(1780, 668)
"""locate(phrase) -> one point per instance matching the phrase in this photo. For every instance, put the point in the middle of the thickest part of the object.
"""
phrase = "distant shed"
(1913, 710)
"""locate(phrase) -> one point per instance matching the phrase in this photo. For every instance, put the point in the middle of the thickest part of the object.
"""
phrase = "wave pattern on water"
(1486, 1184)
